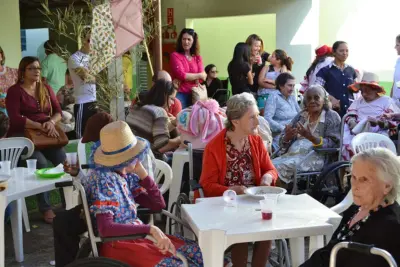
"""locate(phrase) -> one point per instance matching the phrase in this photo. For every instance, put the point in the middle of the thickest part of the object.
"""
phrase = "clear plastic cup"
(267, 208)
(5, 167)
(72, 158)
(31, 164)
(19, 172)
(230, 197)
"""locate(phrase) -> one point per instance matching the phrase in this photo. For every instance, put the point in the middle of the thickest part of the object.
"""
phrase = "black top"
(336, 83)
(238, 77)
(257, 69)
(382, 229)
(213, 87)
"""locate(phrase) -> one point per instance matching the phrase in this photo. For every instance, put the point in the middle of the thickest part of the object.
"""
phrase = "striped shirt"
(151, 123)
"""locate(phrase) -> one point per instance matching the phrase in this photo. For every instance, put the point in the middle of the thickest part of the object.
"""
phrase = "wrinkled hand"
(335, 103)
(50, 129)
(140, 171)
(266, 179)
(164, 244)
(352, 124)
(304, 131)
(388, 116)
(290, 132)
(239, 189)
(73, 170)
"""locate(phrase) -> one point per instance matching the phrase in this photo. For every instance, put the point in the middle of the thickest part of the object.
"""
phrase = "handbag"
(42, 141)
(199, 92)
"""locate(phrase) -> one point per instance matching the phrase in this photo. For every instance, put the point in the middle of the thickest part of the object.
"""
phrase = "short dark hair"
(50, 46)
(195, 49)
(4, 124)
(397, 39)
(282, 79)
(85, 31)
(3, 60)
(158, 94)
(336, 45)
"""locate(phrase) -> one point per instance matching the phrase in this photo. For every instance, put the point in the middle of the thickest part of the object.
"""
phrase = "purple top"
(21, 106)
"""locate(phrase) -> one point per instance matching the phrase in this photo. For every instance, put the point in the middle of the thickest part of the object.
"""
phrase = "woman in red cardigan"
(235, 159)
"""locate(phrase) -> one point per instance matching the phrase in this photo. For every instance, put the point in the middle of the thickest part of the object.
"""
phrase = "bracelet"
(321, 141)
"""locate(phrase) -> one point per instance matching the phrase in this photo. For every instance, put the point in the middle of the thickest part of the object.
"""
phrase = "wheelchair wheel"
(97, 262)
(176, 210)
(333, 184)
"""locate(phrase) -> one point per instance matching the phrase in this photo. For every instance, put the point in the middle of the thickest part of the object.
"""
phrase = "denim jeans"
(186, 99)
(55, 156)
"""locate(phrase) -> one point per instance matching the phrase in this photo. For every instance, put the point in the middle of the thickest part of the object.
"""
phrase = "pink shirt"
(180, 66)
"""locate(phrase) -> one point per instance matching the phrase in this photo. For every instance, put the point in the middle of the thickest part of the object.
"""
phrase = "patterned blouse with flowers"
(8, 77)
(239, 167)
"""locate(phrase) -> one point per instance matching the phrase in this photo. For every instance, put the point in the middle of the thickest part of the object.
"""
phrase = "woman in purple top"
(114, 188)
(187, 65)
(33, 105)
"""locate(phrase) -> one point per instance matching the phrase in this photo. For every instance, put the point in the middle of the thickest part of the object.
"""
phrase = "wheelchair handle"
(361, 248)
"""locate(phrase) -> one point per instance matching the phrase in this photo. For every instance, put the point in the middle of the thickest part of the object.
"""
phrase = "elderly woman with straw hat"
(365, 114)
(374, 219)
(114, 188)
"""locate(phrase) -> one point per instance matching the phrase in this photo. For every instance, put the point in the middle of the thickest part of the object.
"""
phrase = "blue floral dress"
(110, 192)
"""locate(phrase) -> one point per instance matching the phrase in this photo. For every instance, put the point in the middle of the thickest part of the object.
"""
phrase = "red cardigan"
(214, 164)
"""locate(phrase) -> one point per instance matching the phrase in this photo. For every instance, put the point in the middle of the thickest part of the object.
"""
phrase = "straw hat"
(370, 79)
(118, 145)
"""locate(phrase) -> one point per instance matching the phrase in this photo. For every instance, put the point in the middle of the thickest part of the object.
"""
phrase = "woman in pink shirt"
(187, 65)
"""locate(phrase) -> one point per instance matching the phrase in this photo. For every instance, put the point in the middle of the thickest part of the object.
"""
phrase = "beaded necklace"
(347, 231)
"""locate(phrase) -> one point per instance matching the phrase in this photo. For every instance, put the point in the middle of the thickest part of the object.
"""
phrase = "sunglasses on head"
(189, 31)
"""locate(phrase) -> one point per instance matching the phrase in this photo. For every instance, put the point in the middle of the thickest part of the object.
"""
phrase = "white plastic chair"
(163, 169)
(82, 156)
(11, 150)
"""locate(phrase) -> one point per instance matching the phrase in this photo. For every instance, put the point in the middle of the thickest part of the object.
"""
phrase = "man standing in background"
(84, 84)
(53, 67)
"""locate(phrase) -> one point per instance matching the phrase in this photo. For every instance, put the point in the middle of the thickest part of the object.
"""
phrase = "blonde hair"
(387, 165)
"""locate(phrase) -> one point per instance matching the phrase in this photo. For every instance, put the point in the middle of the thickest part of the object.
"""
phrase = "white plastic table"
(179, 158)
(218, 226)
(19, 188)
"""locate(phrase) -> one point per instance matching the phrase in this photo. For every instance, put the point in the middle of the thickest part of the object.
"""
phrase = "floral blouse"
(239, 165)
(8, 77)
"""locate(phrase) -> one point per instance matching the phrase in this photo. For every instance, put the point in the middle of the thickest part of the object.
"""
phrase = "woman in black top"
(239, 70)
(212, 83)
(375, 217)
(258, 57)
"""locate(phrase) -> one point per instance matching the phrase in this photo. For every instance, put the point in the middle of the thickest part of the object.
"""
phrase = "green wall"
(10, 39)
(218, 36)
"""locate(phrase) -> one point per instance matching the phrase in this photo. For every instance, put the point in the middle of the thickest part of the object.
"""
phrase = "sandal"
(48, 216)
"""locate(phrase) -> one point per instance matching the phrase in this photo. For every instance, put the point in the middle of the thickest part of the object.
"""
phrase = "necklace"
(347, 232)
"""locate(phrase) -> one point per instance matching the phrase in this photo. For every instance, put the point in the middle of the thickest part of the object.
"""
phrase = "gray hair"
(236, 107)
(324, 94)
(388, 167)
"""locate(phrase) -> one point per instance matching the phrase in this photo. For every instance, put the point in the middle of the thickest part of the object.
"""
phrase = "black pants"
(55, 156)
(82, 113)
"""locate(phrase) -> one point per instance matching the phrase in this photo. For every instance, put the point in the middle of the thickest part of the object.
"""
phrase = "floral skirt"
(144, 253)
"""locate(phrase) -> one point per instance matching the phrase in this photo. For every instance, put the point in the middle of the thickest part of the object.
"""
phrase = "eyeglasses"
(33, 69)
(188, 30)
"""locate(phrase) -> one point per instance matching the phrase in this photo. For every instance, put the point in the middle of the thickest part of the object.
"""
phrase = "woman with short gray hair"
(317, 126)
(235, 159)
(374, 219)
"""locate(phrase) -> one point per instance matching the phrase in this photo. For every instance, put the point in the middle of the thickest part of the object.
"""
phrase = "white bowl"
(4, 177)
(260, 191)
